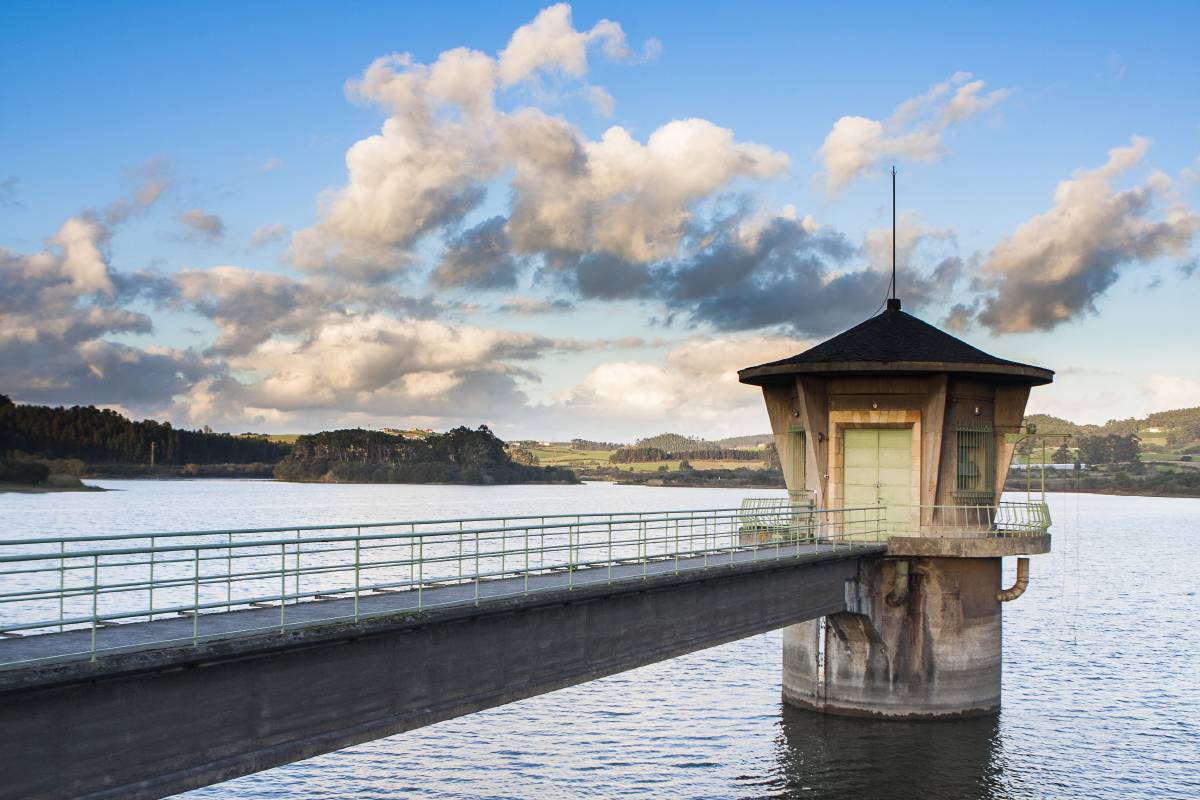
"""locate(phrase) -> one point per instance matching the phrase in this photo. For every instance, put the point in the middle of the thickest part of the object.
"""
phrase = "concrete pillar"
(933, 651)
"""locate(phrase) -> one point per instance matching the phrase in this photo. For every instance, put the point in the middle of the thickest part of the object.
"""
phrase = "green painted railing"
(286, 578)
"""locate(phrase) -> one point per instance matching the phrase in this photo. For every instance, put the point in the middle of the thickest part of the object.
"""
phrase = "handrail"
(192, 573)
(350, 525)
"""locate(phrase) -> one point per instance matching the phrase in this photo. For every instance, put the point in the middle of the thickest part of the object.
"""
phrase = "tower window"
(975, 465)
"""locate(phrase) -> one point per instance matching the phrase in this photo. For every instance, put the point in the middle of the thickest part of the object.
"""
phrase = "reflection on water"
(1101, 672)
(821, 756)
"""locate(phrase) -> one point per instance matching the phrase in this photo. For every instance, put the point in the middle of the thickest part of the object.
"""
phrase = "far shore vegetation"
(51, 449)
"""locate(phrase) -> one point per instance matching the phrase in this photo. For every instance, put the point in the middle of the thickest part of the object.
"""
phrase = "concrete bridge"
(147, 665)
(143, 665)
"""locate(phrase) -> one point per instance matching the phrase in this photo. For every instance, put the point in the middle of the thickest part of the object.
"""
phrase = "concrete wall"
(123, 731)
(934, 653)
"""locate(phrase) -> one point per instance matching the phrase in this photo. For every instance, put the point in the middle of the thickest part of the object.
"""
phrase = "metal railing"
(1003, 519)
(287, 578)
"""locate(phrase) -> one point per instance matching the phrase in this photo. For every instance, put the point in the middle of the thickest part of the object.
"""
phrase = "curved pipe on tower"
(1018, 587)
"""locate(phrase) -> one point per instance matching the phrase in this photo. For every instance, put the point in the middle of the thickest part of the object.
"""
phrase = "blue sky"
(238, 118)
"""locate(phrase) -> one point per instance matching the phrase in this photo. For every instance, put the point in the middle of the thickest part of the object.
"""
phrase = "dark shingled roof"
(889, 337)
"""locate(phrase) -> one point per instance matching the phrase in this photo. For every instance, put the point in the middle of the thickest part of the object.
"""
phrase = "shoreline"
(31, 488)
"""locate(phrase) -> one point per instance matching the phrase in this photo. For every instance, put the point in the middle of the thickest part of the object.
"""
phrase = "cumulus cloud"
(695, 385)
(266, 234)
(445, 140)
(618, 197)
(371, 360)
(528, 306)
(551, 43)
(57, 308)
(151, 179)
(856, 145)
(478, 258)
(207, 227)
(250, 307)
(1056, 265)
(745, 273)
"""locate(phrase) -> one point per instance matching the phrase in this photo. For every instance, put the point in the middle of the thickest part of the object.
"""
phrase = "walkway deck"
(76, 645)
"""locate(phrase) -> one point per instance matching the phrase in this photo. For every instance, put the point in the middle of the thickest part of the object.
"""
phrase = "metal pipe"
(899, 592)
(1018, 588)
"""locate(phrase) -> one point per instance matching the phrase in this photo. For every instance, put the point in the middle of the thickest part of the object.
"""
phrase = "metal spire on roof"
(893, 303)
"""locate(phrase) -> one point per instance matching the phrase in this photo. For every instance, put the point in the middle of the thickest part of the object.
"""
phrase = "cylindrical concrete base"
(926, 650)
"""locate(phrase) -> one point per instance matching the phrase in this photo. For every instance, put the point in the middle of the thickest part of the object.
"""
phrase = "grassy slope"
(556, 455)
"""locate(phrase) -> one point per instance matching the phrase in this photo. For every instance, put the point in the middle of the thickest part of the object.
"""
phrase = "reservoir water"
(1101, 670)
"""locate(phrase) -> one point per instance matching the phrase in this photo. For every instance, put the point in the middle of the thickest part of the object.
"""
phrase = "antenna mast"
(893, 231)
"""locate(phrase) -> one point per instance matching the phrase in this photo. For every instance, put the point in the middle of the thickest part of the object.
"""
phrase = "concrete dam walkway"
(142, 666)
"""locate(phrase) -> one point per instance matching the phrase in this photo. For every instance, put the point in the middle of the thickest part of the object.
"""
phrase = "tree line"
(103, 436)
(641, 454)
(461, 455)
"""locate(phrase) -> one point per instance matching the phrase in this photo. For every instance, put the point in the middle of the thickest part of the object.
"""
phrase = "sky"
(580, 220)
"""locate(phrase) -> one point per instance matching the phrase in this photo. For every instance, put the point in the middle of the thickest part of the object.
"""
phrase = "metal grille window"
(975, 465)
(796, 460)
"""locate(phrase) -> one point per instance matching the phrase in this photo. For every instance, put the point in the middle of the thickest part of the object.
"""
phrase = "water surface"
(1101, 671)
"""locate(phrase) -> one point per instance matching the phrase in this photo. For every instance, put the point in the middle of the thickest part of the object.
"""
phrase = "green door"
(877, 471)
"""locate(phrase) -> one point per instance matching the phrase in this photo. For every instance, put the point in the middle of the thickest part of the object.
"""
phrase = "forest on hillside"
(1179, 426)
(460, 455)
(103, 436)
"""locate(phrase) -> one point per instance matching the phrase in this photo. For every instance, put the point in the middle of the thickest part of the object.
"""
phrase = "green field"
(556, 455)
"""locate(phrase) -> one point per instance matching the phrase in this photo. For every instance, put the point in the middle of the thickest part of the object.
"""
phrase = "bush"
(30, 472)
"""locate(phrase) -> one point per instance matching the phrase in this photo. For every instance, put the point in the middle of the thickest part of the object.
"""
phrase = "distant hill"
(102, 436)
(676, 442)
(1177, 427)
(755, 440)
(460, 455)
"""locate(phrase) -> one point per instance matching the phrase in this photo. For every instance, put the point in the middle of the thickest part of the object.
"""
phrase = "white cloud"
(445, 140)
(270, 165)
(551, 42)
(856, 145)
(1170, 391)
(910, 234)
(1054, 266)
(694, 387)
(208, 227)
(266, 234)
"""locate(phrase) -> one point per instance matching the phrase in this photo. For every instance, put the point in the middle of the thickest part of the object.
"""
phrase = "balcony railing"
(1007, 519)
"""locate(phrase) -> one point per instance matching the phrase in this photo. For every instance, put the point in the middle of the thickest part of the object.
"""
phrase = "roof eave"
(769, 374)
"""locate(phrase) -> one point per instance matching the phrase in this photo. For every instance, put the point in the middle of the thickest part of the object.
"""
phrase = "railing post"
(296, 582)
(420, 573)
(526, 589)
(476, 567)
(676, 547)
(196, 598)
(357, 569)
(95, 600)
(62, 580)
(610, 548)
(282, 584)
(229, 574)
(153, 557)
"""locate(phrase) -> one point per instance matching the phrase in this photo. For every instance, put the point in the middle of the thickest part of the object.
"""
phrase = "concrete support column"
(927, 649)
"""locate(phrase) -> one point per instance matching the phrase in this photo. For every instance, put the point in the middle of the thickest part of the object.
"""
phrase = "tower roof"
(894, 342)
